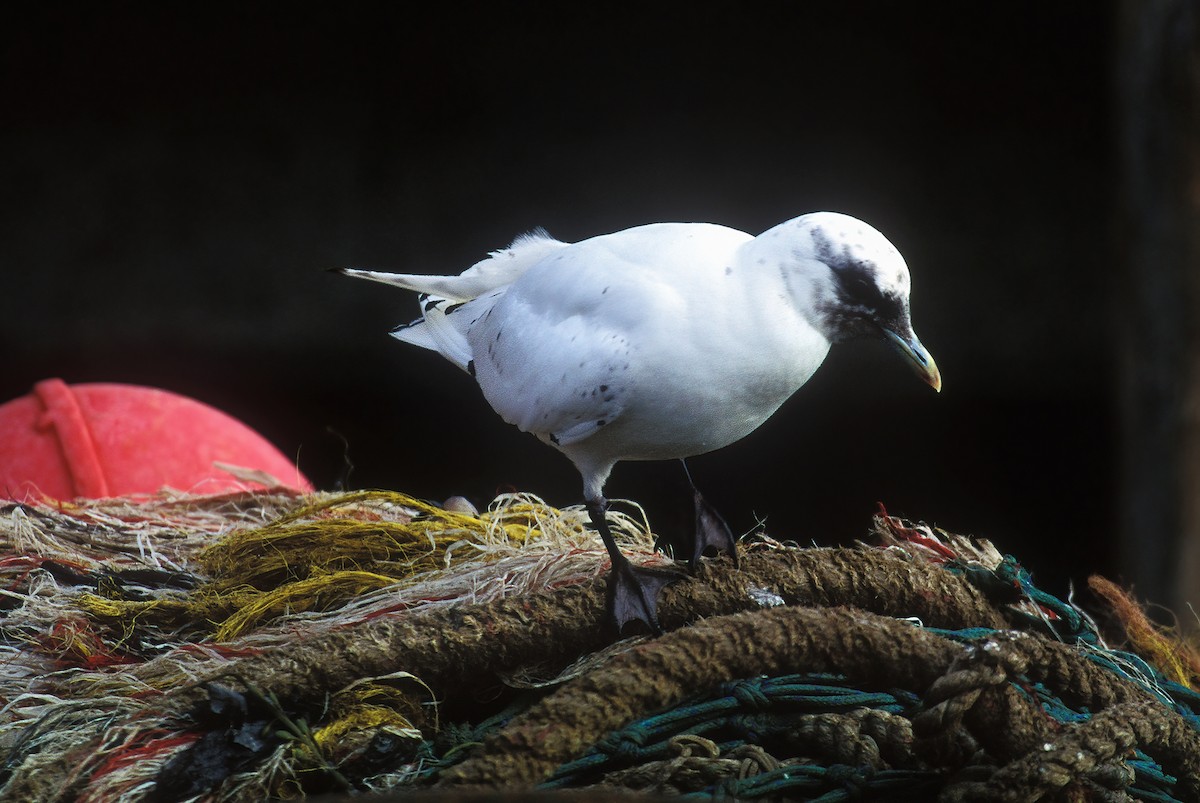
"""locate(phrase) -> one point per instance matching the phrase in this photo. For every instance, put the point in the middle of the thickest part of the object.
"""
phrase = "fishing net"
(274, 646)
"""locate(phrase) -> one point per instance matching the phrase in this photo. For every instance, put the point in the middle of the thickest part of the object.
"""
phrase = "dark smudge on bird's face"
(860, 308)
(861, 305)
(824, 249)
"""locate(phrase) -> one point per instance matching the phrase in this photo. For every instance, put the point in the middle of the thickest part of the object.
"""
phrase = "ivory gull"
(660, 341)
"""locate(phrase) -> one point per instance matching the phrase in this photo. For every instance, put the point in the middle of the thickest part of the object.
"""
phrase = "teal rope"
(739, 710)
(649, 740)
(742, 712)
(1010, 582)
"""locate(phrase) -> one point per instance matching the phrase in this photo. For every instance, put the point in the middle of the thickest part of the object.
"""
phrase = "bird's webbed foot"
(632, 594)
(712, 535)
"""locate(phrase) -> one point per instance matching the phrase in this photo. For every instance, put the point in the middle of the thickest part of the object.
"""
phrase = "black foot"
(633, 594)
(713, 536)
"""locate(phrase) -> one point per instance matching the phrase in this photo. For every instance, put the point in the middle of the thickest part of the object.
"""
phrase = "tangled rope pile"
(253, 646)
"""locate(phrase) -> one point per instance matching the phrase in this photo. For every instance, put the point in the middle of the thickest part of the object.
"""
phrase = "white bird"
(660, 341)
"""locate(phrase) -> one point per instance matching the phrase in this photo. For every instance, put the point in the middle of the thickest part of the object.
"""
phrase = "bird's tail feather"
(500, 268)
(416, 333)
(448, 339)
(441, 286)
(476, 289)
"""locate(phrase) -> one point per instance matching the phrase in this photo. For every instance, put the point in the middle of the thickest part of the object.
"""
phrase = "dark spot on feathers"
(553, 438)
(601, 422)
(605, 290)
(859, 295)
(609, 397)
(603, 388)
(498, 333)
(430, 304)
(453, 307)
(728, 270)
(471, 367)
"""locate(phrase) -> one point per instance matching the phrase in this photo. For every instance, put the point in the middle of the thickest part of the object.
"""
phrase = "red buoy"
(100, 440)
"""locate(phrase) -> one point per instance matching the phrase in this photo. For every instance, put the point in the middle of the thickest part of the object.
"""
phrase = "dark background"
(174, 186)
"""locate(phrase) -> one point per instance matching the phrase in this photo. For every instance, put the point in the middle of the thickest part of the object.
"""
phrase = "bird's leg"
(633, 591)
(712, 533)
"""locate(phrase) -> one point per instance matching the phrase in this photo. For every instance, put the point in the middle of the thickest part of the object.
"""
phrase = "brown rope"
(1128, 715)
(663, 673)
(697, 765)
(862, 738)
(873, 650)
(447, 647)
(1079, 749)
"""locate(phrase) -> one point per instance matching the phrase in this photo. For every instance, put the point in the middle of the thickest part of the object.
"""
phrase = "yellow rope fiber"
(318, 592)
(336, 548)
(333, 536)
(365, 706)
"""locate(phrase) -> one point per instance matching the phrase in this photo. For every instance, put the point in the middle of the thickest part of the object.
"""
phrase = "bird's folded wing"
(559, 378)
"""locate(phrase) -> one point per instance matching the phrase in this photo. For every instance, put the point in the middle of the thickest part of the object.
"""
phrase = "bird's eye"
(861, 289)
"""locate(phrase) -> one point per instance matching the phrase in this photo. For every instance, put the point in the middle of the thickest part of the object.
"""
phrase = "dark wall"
(174, 185)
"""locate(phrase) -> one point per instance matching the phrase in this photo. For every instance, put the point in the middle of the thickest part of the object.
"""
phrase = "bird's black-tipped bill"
(920, 359)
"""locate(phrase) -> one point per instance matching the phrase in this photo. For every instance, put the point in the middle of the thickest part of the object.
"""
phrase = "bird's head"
(851, 282)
